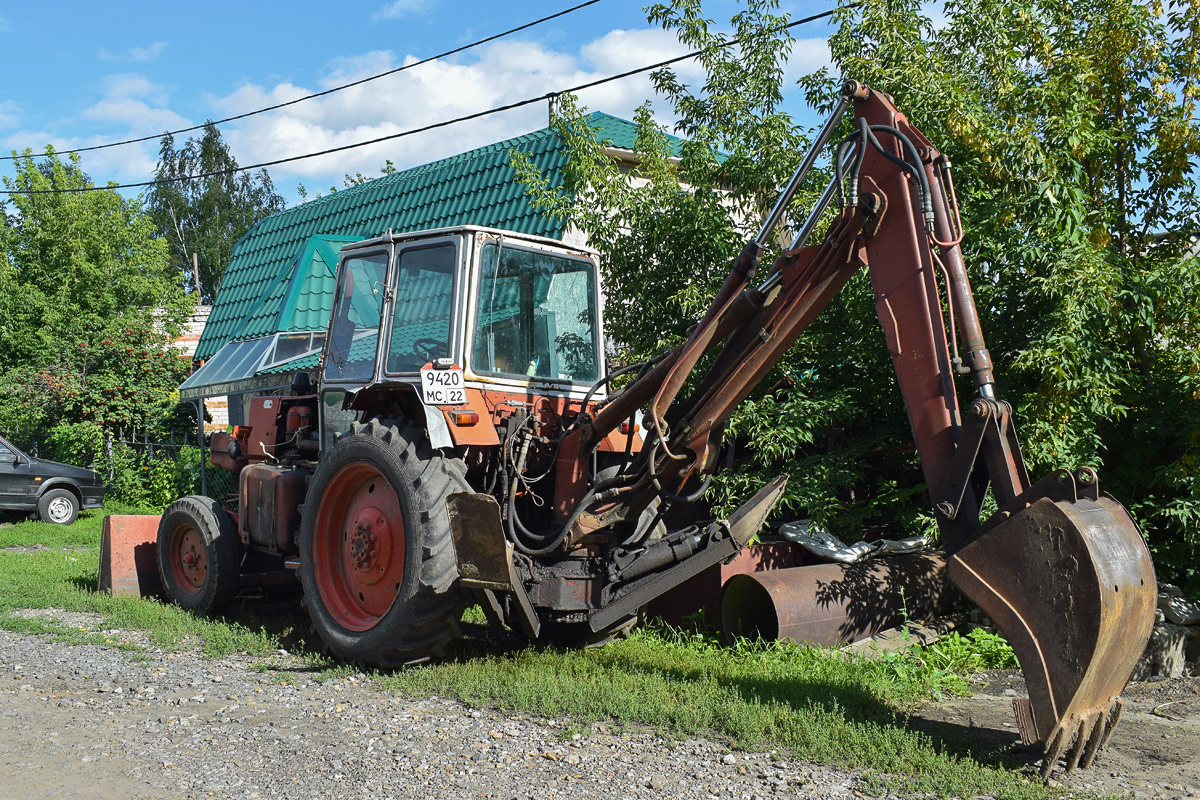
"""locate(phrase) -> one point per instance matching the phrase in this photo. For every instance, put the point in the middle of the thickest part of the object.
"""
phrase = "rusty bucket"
(1070, 584)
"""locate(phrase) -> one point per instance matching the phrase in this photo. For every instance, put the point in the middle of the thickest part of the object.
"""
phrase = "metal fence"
(147, 446)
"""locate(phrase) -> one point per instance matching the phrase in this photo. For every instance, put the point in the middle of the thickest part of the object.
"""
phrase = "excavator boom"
(1061, 567)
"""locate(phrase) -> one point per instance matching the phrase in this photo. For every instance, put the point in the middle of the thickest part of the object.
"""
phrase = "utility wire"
(455, 51)
(425, 128)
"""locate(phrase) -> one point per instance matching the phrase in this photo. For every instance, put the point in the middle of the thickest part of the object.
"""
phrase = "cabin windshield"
(536, 315)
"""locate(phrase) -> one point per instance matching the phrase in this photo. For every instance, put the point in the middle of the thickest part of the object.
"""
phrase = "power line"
(425, 128)
(359, 82)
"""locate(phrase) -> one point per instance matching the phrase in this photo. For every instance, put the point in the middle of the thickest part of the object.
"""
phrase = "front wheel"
(59, 506)
(376, 559)
(198, 553)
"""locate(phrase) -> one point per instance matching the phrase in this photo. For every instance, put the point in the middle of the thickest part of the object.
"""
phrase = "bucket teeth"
(1110, 724)
(1095, 737)
(1054, 749)
(1081, 739)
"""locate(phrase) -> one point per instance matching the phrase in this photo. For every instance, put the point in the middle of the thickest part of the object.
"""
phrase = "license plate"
(442, 387)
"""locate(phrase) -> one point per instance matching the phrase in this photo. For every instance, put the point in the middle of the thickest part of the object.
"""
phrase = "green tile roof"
(281, 276)
(621, 133)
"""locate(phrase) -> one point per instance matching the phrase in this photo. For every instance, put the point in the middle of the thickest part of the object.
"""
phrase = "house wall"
(187, 341)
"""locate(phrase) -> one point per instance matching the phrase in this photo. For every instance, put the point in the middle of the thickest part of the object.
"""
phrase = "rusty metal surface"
(832, 604)
(269, 506)
(723, 539)
(484, 556)
(1071, 586)
(479, 545)
(221, 455)
(128, 563)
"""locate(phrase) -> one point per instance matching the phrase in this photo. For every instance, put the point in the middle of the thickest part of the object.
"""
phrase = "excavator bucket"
(1070, 584)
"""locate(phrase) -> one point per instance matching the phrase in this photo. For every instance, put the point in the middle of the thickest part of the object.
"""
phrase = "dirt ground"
(100, 722)
(1154, 752)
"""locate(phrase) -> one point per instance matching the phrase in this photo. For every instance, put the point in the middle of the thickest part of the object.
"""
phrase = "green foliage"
(668, 240)
(1074, 133)
(88, 304)
(1075, 138)
(127, 378)
(206, 216)
(155, 481)
(75, 442)
(977, 651)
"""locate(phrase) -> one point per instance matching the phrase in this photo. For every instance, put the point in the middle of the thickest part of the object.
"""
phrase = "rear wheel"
(376, 560)
(198, 554)
(59, 506)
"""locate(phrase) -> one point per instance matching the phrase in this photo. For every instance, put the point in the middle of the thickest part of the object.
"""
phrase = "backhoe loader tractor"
(465, 443)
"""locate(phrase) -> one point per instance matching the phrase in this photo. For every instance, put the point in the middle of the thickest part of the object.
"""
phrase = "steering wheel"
(429, 348)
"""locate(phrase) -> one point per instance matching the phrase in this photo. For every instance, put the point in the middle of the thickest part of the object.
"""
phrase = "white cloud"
(136, 114)
(133, 103)
(9, 112)
(125, 164)
(498, 74)
(135, 54)
(400, 8)
(133, 85)
(5, 25)
(130, 106)
(808, 55)
(503, 73)
(621, 50)
(150, 53)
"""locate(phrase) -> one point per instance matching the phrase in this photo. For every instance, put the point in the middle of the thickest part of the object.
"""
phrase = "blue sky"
(95, 72)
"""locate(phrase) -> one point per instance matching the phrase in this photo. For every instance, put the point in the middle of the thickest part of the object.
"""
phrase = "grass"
(822, 706)
(84, 532)
(65, 574)
(813, 705)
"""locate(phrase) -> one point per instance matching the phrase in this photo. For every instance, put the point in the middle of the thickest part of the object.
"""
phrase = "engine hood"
(53, 469)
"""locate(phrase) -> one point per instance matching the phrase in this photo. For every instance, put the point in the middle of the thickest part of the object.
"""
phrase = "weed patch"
(824, 706)
(66, 580)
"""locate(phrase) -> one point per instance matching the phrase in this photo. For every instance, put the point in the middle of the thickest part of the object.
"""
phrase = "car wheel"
(59, 506)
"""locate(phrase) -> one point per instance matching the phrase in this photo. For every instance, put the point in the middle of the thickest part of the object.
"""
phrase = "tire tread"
(431, 614)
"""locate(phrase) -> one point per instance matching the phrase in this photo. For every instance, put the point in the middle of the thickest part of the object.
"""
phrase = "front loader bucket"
(1071, 586)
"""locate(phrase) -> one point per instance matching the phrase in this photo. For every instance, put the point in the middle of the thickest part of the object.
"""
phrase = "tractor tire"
(377, 562)
(59, 506)
(198, 554)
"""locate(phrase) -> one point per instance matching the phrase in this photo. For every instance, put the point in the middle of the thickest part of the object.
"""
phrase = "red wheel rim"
(189, 559)
(358, 547)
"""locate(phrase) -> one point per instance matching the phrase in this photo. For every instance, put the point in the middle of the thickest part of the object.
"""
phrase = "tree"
(205, 216)
(348, 181)
(1073, 130)
(88, 303)
(357, 178)
(1075, 135)
(668, 239)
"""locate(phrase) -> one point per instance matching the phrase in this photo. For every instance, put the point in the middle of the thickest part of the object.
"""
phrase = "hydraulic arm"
(1061, 567)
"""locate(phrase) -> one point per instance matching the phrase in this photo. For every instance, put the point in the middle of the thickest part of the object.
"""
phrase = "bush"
(78, 443)
(138, 479)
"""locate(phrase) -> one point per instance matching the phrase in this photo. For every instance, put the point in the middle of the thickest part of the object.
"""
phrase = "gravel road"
(99, 722)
